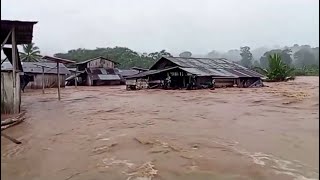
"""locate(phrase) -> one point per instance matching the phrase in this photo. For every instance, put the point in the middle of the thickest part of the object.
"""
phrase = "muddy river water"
(99, 133)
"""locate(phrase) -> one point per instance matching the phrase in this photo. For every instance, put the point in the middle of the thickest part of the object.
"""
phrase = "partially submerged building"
(96, 71)
(35, 71)
(13, 33)
(199, 71)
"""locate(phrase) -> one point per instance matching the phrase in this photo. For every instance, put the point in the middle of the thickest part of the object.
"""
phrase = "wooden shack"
(96, 71)
(197, 72)
(13, 33)
(34, 73)
(98, 62)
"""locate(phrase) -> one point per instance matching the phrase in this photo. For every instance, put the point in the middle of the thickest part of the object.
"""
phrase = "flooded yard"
(97, 133)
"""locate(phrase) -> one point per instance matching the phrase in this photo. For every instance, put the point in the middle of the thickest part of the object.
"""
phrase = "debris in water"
(145, 172)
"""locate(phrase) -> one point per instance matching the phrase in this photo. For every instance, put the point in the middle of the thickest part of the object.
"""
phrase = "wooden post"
(14, 66)
(58, 73)
(76, 78)
(42, 79)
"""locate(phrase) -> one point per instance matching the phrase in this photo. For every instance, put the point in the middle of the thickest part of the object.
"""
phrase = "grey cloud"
(151, 25)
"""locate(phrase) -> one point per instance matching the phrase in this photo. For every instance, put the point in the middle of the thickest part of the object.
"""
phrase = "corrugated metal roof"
(35, 67)
(100, 57)
(151, 72)
(102, 71)
(23, 31)
(56, 59)
(108, 77)
(127, 72)
(103, 74)
(210, 67)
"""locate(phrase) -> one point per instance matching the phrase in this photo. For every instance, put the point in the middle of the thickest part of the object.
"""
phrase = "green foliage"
(125, 56)
(284, 54)
(30, 53)
(256, 64)
(246, 56)
(277, 70)
(213, 54)
(185, 54)
(305, 57)
(307, 71)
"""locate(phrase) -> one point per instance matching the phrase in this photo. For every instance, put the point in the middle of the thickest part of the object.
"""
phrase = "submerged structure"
(96, 71)
(194, 73)
(34, 72)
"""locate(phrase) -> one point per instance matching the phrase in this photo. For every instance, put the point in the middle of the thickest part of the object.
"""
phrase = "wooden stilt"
(58, 74)
(76, 78)
(42, 79)
(14, 67)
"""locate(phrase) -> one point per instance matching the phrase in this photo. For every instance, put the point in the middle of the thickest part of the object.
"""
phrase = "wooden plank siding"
(50, 81)
(7, 95)
(100, 63)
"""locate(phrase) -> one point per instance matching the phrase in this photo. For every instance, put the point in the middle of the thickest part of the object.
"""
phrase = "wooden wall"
(50, 81)
(7, 99)
(203, 79)
(100, 63)
(225, 82)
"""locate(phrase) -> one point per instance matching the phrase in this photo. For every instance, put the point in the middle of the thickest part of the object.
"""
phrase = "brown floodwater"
(97, 133)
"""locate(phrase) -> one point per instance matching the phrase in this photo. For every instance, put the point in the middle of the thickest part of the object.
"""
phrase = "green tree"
(123, 55)
(256, 64)
(304, 57)
(31, 53)
(277, 70)
(158, 55)
(214, 54)
(316, 55)
(185, 54)
(246, 56)
(284, 54)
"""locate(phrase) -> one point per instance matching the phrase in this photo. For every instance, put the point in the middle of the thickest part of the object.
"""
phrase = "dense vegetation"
(125, 56)
(277, 70)
(304, 59)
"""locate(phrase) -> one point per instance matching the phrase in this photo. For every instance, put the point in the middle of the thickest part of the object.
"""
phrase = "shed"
(33, 72)
(182, 71)
(13, 33)
(98, 62)
(96, 71)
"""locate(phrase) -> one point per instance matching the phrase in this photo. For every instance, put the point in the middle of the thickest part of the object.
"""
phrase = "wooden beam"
(10, 138)
(42, 79)
(14, 66)
(4, 60)
(6, 39)
(76, 77)
(58, 73)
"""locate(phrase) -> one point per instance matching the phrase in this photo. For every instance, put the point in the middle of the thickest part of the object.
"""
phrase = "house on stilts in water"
(200, 72)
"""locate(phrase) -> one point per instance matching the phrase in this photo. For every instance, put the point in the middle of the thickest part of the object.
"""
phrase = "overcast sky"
(175, 25)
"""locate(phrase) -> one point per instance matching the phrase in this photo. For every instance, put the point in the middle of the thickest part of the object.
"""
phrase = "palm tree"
(277, 70)
(30, 53)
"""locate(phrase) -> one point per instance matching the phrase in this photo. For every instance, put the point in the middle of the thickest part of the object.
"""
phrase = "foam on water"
(293, 168)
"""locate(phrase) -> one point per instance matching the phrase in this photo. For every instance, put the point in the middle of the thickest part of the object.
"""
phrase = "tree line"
(304, 59)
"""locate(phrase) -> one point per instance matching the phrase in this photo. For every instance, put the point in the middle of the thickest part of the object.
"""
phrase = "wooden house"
(34, 73)
(198, 71)
(96, 71)
(13, 33)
